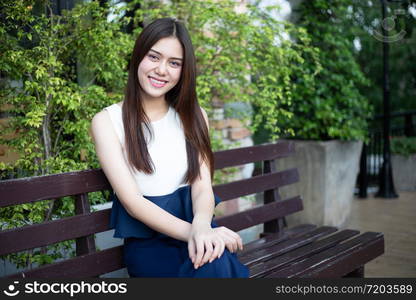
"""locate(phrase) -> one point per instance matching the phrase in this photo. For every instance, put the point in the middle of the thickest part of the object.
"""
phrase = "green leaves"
(405, 146)
(35, 117)
(327, 102)
(50, 109)
(242, 55)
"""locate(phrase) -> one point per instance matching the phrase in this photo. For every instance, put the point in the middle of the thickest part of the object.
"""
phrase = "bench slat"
(51, 232)
(350, 262)
(260, 214)
(26, 190)
(285, 246)
(298, 254)
(32, 189)
(277, 237)
(37, 188)
(28, 237)
(244, 155)
(89, 265)
(256, 184)
(371, 243)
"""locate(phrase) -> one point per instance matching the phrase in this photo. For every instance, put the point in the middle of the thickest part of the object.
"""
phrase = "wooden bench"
(302, 251)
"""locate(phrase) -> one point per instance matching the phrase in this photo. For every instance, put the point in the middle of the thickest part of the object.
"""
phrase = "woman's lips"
(157, 83)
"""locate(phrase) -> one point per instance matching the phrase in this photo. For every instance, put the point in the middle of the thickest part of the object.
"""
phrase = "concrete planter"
(328, 172)
(404, 175)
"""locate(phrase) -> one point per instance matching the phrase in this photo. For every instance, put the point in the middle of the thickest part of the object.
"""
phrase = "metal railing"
(403, 124)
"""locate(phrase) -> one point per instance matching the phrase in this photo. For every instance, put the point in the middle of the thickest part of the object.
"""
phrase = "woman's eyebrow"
(162, 54)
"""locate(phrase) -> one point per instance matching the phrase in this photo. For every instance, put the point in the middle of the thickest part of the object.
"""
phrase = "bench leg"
(358, 273)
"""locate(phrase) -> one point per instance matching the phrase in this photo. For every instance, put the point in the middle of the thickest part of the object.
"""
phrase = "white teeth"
(157, 81)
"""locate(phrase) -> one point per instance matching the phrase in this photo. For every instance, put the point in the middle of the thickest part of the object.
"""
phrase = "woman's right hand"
(204, 244)
(222, 237)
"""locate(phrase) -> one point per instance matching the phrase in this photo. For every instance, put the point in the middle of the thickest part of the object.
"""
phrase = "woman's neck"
(155, 106)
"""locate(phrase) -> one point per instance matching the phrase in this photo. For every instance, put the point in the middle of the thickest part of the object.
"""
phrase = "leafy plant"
(243, 55)
(50, 103)
(402, 145)
(331, 106)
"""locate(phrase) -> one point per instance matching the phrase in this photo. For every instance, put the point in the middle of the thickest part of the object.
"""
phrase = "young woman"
(154, 149)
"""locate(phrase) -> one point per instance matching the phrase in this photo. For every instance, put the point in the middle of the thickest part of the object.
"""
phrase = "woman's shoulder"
(115, 106)
(100, 118)
(105, 115)
(105, 121)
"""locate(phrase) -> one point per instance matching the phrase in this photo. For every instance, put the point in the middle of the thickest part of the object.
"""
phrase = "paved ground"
(396, 218)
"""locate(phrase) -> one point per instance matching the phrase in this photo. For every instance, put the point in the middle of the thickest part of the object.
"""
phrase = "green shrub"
(402, 145)
(330, 106)
(51, 103)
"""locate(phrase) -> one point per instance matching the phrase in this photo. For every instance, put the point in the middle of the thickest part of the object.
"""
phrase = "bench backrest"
(91, 263)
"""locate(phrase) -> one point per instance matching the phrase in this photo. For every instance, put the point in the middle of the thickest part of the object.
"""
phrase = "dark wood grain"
(31, 189)
(261, 214)
(273, 259)
(47, 233)
(255, 184)
(89, 265)
(245, 155)
(332, 262)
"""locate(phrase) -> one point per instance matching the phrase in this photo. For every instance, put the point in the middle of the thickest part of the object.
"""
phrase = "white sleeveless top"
(167, 150)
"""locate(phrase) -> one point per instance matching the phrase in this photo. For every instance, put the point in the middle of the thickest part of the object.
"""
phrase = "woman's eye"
(152, 57)
(176, 64)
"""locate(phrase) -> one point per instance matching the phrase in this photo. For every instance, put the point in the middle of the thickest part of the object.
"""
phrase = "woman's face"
(160, 69)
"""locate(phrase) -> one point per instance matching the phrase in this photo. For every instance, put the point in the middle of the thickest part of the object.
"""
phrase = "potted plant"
(403, 160)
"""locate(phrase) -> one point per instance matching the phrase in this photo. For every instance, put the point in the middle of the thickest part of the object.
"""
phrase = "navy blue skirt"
(148, 253)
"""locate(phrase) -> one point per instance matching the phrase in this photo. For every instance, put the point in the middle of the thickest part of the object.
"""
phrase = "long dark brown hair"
(181, 97)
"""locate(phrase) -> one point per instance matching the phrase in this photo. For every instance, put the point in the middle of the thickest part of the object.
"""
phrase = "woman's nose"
(161, 68)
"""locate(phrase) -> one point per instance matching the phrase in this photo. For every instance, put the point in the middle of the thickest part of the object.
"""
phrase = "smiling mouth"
(156, 82)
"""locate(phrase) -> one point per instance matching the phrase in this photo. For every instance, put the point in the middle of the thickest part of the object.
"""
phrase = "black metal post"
(408, 125)
(386, 185)
(363, 176)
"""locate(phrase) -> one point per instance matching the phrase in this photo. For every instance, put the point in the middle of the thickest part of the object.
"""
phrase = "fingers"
(191, 250)
(208, 252)
(231, 245)
(199, 253)
(237, 239)
(219, 246)
(234, 240)
(203, 249)
(213, 249)
(222, 248)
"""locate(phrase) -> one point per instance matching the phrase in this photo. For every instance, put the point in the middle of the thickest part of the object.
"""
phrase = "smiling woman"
(161, 174)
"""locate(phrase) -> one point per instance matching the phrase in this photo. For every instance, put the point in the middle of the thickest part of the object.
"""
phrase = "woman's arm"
(203, 202)
(205, 243)
(110, 156)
